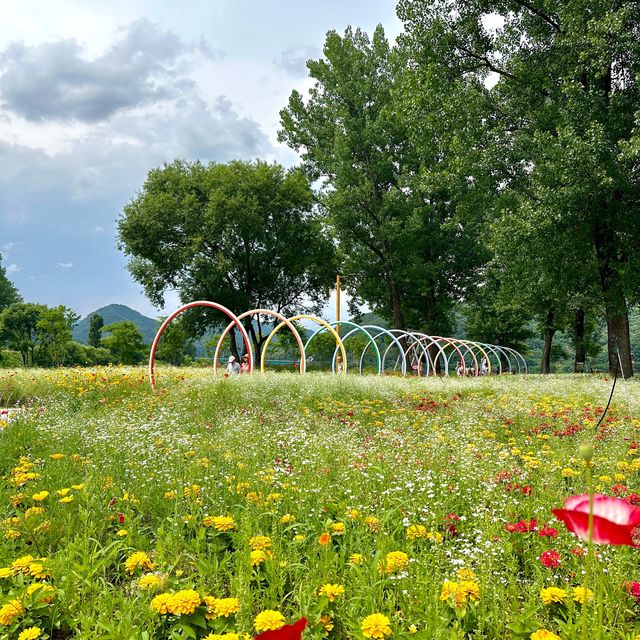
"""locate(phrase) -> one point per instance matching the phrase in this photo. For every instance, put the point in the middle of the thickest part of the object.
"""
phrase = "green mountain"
(118, 313)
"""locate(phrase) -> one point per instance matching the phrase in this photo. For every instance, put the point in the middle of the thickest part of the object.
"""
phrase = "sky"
(95, 94)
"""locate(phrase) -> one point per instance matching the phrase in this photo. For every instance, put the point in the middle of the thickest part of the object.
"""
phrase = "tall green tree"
(244, 234)
(125, 342)
(96, 322)
(40, 334)
(404, 254)
(562, 118)
(176, 343)
(8, 291)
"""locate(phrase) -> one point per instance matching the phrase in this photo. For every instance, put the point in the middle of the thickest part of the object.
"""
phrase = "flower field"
(375, 508)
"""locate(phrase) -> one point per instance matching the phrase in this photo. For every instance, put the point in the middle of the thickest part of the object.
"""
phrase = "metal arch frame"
(492, 350)
(182, 309)
(479, 346)
(317, 320)
(355, 327)
(448, 341)
(266, 312)
(455, 341)
(516, 355)
(393, 338)
(406, 334)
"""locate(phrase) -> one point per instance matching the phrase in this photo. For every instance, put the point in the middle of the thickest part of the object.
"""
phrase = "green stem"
(589, 559)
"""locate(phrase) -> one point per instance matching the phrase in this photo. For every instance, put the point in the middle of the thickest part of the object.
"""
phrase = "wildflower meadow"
(373, 507)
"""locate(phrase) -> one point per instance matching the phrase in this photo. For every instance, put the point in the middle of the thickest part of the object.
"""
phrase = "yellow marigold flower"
(570, 473)
(149, 581)
(37, 570)
(260, 542)
(32, 512)
(160, 604)
(6, 572)
(224, 607)
(449, 588)
(210, 603)
(376, 626)
(352, 514)
(169, 495)
(45, 591)
(356, 558)
(63, 492)
(223, 636)
(465, 574)
(221, 523)
(12, 534)
(10, 611)
(332, 591)
(184, 602)
(78, 487)
(324, 538)
(582, 594)
(274, 497)
(122, 533)
(337, 528)
(22, 564)
(31, 633)
(40, 496)
(396, 561)
(258, 556)
(372, 522)
(416, 531)
(136, 560)
(269, 620)
(287, 518)
(552, 595)
(470, 589)
(543, 634)
(17, 499)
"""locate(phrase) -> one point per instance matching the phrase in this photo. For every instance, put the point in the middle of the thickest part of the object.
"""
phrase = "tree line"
(487, 163)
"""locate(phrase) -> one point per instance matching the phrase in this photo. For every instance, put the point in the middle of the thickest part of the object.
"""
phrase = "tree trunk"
(233, 345)
(615, 304)
(549, 331)
(581, 351)
(396, 306)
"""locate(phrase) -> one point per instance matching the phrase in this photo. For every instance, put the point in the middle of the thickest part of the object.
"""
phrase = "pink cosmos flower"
(614, 520)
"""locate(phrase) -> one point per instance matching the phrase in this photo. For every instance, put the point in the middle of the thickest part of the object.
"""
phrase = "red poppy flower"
(614, 520)
(288, 632)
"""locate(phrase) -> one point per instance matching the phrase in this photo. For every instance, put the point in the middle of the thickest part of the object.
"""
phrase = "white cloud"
(64, 265)
(13, 268)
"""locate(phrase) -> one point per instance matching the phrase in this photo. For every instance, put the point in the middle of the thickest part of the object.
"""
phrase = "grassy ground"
(397, 494)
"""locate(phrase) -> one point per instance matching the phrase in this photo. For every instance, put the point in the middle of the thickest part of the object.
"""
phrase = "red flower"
(288, 632)
(548, 531)
(633, 589)
(614, 520)
(120, 518)
(550, 559)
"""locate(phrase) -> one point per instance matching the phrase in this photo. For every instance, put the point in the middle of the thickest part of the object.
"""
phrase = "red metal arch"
(177, 312)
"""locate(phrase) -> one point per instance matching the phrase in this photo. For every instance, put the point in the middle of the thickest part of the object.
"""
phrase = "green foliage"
(40, 334)
(399, 244)
(124, 342)
(8, 291)
(175, 343)
(96, 322)
(245, 234)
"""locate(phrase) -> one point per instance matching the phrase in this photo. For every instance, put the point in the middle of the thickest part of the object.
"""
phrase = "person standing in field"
(232, 366)
(244, 365)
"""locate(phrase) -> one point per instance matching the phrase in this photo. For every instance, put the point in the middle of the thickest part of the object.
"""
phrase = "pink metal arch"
(177, 312)
(448, 342)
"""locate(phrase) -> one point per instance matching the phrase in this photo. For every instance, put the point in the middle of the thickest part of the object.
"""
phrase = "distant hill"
(118, 313)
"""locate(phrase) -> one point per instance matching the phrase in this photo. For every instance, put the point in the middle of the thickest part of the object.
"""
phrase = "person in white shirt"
(232, 366)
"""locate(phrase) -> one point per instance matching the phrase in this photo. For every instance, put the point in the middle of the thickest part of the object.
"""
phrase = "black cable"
(613, 388)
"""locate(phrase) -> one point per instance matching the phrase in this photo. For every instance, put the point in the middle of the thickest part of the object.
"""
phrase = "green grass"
(324, 451)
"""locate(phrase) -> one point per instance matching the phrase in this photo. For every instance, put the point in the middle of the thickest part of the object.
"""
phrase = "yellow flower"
(12, 534)
(257, 557)
(287, 518)
(22, 564)
(413, 629)
(552, 595)
(543, 634)
(138, 559)
(31, 633)
(416, 531)
(449, 589)
(6, 572)
(326, 622)
(37, 570)
(469, 589)
(149, 581)
(582, 594)
(45, 591)
(396, 561)
(337, 528)
(465, 574)
(269, 620)
(298, 537)
(66, 500)
(40, 496)
(224, 607)
(10, 611)
(372, 522)
(570, 473)
(57, 456)
(260, 542)
(78, 487)
(184, 602)
(352, 514)
(220, 523)
(32, 512)
(332, 591)
(376, 626)
(122, 533)
(160, 604)
(63, 492)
